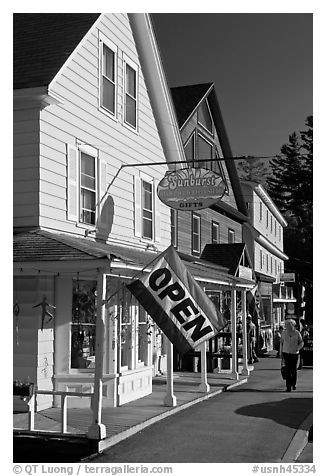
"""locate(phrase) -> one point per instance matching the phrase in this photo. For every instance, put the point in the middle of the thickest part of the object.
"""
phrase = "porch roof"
(41, 246)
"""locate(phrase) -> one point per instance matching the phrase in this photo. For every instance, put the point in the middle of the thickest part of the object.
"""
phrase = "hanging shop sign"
(287, 277)
(191, 188)
(177, 303)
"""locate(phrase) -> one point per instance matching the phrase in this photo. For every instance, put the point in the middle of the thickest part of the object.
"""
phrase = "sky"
(260, 63)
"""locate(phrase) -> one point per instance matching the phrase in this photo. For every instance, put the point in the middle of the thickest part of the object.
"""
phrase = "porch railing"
(64, 409)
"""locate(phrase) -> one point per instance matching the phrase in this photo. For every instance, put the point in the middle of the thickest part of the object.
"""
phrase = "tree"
(253, 169)
(290, 187)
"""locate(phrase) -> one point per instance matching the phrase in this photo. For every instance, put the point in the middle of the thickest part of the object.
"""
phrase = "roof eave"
(40, 95)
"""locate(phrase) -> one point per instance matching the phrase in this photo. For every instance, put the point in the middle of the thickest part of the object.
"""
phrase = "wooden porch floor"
(119, 419)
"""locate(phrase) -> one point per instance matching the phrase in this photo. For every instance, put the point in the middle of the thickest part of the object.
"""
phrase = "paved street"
(252, 423)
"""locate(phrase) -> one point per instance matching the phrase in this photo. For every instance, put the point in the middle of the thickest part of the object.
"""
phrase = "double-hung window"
(174, 227)
(196, 233)
(147, 210)
(231, 236)
(108, 85)
(87, 202)
(215, 232)
(86, 180)
(130, 93)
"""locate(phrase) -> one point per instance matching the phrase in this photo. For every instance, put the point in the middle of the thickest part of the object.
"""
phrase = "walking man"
(291, 344)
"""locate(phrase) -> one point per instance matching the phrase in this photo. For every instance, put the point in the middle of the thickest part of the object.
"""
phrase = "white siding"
(25, 167)
(79, 117)
(261, 224)
(277, 262)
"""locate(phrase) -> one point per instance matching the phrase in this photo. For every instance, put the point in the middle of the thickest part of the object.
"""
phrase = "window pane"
(215, 233)
(204, 117)
(196, 225)
(147, 229)
(190, 150)
(108, 93)
(108, 63)
(147, 210)
(87, 205)
(83, 324)
(196, 234)
(174, 227)
(131, 81)
(87, 182)
(147, 196)
(205, 151)
(130, 111)
(87, 199)
(87, 164)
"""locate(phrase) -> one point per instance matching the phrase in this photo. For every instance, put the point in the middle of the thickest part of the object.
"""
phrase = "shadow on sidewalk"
(288, 412)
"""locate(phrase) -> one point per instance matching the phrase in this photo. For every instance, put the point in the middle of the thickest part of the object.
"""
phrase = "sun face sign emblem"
(191, 189)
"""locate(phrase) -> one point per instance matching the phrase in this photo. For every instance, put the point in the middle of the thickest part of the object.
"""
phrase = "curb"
(113, 440)
(299, 441)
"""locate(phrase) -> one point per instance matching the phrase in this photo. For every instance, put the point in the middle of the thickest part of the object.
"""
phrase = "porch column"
(234, 370)
(97, 430)
(245, 369)
(204, 386)
(169, 399)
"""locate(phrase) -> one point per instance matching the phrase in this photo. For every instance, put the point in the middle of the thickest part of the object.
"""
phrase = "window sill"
(143, 368)
(135, 130)
(108, 113)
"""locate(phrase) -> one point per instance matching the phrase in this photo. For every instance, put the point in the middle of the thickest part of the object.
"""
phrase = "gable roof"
(227, 255)
(185, 105)
(42, 42)
(187, 98)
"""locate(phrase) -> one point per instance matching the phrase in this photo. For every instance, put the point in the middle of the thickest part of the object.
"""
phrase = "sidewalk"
(131, 418)
(120, 422)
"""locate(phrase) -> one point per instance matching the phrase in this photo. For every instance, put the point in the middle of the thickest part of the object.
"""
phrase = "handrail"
(64, 395)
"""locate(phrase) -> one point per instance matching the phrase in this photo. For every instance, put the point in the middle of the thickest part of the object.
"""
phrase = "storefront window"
(135, 332)
(126, 329)
(145, 333)
(83, 324)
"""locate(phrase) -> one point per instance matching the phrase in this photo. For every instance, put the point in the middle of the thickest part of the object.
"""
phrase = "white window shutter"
(72, 182)
(137, 207)
(103, 177)
(157, 213)
(102, 197)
